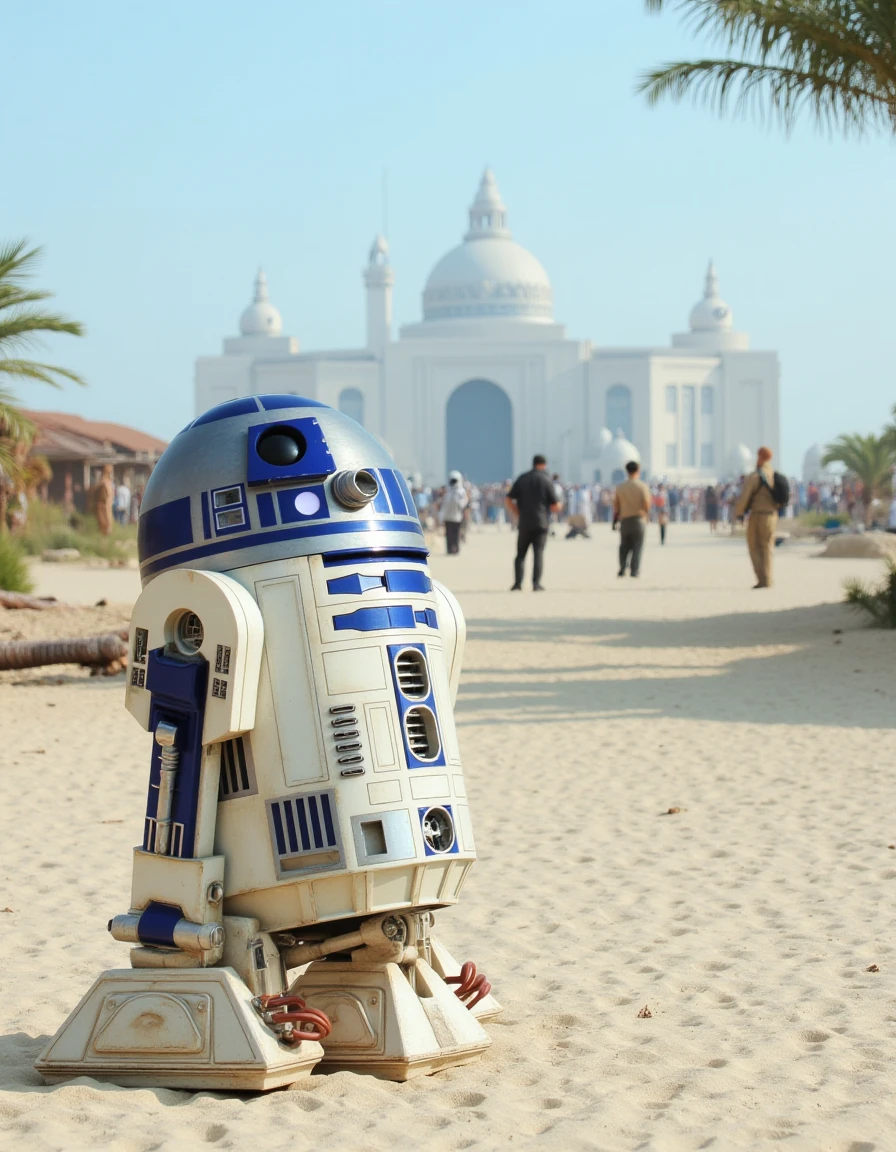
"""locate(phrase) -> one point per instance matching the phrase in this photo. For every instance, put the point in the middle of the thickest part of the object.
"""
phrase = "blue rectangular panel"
(167, 526)
(427, 616)
(394, 490)
(267, 517)
(315, 822)
(375, 619)
(353, 585)
(206, 519)
(300, 504)
(315, 461)
(407, 580)
(381, 500)
(278, 829)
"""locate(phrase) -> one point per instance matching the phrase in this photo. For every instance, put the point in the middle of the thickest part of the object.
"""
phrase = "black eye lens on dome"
(281, 447)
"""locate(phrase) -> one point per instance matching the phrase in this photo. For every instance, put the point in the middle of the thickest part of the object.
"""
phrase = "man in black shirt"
(532, 500)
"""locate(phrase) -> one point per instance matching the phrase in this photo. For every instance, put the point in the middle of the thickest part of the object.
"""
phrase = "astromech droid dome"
(306, 810)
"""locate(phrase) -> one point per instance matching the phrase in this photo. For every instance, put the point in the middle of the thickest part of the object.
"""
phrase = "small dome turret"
(379, 252)
(615, 456)
(711, 314)
(261, 318)
(741, 460)
(814, 470)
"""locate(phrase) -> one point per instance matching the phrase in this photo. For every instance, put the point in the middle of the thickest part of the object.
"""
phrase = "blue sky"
(161, 152)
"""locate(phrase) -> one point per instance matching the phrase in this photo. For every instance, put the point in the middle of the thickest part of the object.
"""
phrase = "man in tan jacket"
(631, 507)
(758, 499)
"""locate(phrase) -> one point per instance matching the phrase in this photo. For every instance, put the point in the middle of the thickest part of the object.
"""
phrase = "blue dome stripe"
(242, 407)
(252, 540)
(272, 403)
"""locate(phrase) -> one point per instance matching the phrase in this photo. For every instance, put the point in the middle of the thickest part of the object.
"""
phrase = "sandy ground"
(746, 922)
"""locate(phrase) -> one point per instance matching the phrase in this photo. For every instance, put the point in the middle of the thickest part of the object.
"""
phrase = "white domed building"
(487, 377)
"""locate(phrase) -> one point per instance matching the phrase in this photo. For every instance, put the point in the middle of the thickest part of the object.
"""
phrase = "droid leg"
(200, 1007)
(392, 1013)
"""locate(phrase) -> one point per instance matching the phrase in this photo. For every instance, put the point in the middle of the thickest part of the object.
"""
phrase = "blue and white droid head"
(270, 477)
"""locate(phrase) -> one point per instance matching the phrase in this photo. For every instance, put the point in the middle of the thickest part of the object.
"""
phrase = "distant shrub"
(13, 567)
(822, 519)
(50, 526)
(879, 601)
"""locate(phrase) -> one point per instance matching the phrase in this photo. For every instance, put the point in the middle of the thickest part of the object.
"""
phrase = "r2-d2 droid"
(297, 666)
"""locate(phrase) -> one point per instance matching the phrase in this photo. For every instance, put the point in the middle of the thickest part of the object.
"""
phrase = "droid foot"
(390, 1021)
(175, 1028)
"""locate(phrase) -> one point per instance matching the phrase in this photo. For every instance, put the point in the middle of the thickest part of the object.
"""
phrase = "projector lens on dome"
(281, 446)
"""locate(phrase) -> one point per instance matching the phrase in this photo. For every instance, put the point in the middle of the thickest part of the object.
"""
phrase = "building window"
(671, 455)
(689, 426)
(671, 399)
(707, 400)
(707, 456)
(351, 402)
(619, 410)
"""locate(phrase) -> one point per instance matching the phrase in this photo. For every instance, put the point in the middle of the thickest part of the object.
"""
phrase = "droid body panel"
(297, 665)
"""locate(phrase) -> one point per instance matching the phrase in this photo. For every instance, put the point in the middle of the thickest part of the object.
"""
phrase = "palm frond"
(14, 424)
(23, 326)
(742, 86)
(833, 58)
(23, 322)
(45, 373)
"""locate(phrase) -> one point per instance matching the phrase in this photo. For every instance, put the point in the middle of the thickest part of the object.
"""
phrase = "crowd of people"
(584, 504)
(537, 502)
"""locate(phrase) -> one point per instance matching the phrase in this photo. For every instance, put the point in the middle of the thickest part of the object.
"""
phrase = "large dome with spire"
(489, 275)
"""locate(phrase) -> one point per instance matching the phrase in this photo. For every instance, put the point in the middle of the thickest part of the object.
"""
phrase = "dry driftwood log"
(108, 652)
(19, 600)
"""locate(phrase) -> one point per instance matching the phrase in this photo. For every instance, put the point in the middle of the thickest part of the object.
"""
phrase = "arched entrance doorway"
(479, 432)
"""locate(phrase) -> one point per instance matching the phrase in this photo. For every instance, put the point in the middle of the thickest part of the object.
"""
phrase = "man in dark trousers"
(631, 508)
(532, 499)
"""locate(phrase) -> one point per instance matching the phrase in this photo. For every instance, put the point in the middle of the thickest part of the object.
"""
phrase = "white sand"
(746, 922)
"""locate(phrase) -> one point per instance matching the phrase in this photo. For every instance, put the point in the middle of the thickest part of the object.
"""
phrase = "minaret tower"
(378, 280)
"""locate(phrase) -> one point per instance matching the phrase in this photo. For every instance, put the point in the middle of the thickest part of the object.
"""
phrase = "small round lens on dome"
(281, 447)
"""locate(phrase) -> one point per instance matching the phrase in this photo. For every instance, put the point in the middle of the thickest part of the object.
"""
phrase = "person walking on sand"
(103, 495)
(631, 508)
(757, 498)
(531, 500)
(661, 504)
(454, 504)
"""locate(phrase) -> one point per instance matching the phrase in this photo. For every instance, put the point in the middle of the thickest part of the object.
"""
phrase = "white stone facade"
(488, 378)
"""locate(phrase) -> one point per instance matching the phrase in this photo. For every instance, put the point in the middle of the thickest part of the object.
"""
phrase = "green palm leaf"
(22, 323)
(835, 59)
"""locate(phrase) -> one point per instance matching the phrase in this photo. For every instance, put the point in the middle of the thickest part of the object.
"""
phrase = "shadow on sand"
(835, 674)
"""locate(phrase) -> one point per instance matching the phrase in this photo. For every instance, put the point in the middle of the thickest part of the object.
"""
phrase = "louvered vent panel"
(305, 828)
(237, 777)
(423, 738)
(412, 673)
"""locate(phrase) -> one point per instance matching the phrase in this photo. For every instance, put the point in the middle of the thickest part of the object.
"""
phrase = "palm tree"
(869, 458)
(890, 431)
(835, 59)
(22, 323)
